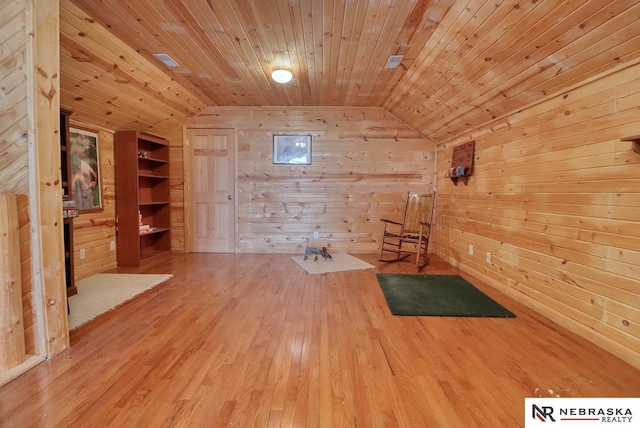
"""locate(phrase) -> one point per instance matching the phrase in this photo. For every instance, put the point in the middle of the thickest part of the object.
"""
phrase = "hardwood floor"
(253, 340)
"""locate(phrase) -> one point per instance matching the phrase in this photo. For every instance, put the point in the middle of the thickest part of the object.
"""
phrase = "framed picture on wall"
(292, 149)
(85, 170)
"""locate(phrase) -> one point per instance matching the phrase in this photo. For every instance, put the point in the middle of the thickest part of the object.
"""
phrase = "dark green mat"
(437, 295)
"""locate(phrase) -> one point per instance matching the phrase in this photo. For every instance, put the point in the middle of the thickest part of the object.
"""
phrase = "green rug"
(437, 295)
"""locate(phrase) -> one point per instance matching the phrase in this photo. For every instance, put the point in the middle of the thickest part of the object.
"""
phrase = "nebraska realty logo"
(582, 412)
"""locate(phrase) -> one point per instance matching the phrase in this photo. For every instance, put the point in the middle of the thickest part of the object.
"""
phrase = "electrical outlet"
(488, 257)
(316, 235)
(112, 245)
(471, 250)
(83, 253)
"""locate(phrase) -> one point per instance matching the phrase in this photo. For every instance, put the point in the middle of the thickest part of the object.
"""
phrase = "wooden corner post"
(45, 186)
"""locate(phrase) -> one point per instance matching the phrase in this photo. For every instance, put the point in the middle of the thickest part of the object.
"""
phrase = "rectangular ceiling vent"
(394, 61)
(172, 28)
(166, 60)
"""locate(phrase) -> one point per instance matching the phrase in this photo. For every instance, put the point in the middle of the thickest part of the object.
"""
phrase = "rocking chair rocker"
(412, 235)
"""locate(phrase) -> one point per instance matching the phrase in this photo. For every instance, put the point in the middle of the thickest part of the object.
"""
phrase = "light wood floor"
(253, 340)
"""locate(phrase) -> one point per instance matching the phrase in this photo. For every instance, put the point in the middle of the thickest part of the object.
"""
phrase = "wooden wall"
(14, 170)
(30, 168)
(364, 160)
(28, 298)
(176, 190)
(94, 231)
(555, 198)
(14, 163)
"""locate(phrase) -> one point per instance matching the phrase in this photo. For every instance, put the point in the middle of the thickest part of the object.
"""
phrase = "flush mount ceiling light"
(281, 75)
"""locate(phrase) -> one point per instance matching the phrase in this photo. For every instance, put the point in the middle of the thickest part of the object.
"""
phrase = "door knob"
(229, 197)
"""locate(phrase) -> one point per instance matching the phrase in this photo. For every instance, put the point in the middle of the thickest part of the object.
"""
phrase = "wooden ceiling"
(465, 61)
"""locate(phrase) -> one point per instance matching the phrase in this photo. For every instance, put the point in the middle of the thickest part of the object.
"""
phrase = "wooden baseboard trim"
(30, 362)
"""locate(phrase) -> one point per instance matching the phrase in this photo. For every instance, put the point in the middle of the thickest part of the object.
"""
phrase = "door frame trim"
(187, 173)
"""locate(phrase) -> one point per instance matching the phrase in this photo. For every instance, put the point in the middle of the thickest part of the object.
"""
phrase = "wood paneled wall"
(364, 160)
(555, 199)
(28, 297)
(176, 190)
(94, 231)
(14, 163)
(30, 168)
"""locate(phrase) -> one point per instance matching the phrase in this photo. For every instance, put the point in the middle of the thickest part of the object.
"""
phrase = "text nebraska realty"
(604, 414)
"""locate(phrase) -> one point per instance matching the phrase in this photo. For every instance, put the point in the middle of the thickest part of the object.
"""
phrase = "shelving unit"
(142, 196)
(65, 168)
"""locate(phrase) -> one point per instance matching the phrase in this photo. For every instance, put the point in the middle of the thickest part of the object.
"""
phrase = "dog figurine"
(310, 251)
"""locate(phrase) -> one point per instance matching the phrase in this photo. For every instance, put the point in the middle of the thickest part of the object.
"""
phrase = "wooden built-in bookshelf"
(142, 196)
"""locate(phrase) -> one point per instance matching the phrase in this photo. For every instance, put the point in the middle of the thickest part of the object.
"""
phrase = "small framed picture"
(292, 149)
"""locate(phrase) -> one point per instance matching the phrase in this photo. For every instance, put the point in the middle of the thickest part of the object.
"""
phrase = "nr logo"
(543, 413)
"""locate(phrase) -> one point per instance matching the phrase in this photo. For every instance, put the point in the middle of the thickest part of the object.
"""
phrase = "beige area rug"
(340, 262)
(104, 291)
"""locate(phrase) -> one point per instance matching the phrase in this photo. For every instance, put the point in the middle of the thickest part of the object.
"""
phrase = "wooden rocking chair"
(412, 235)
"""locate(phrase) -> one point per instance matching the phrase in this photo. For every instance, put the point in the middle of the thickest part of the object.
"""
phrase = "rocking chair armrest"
(390, 221)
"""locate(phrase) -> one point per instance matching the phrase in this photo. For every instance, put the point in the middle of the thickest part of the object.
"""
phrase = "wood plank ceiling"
(465, 61)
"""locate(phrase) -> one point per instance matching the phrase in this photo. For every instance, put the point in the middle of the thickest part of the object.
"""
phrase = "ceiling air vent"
(166, 60)
(394, 61)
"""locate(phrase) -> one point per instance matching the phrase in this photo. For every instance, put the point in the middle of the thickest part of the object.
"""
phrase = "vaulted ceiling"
(465, 62)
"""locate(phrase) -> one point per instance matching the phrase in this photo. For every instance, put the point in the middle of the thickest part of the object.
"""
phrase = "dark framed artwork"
(292, 149)
(85, 170)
